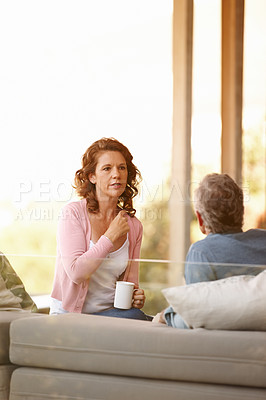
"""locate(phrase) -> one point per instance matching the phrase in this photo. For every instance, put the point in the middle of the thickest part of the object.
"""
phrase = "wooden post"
(232, 77)
(179, 202)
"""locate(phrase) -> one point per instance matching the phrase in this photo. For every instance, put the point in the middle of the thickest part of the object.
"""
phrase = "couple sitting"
(220, 210)
(226, 251)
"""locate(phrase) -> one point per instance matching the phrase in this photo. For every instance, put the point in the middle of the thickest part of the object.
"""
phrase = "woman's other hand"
(118, 227)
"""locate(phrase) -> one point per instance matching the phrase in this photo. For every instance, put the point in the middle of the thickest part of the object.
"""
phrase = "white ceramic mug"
(123, 294)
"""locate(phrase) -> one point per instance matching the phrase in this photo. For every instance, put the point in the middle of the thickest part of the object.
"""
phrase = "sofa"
(78, 356)
(6, 367)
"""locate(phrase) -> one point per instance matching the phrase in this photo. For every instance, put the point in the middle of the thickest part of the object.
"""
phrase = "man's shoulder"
(223, 247)
(214, 238)
(202, 243)
(197, 249)
(255, 234)
(210, 247)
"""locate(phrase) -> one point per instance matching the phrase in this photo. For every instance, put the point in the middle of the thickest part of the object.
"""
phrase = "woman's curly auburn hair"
(86, 189)
(220, 202)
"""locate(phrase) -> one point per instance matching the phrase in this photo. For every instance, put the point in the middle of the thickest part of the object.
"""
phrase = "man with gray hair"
(219, 207)
(226, 250)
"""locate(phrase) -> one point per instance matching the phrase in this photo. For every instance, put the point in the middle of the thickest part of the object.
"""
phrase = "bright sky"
(74, 71)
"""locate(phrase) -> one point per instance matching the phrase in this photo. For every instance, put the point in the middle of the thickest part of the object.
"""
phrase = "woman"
(99, 235)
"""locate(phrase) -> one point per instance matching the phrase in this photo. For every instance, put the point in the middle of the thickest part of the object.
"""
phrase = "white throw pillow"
(237, 303)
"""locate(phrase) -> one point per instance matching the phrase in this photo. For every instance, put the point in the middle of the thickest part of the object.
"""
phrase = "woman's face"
(110, 176)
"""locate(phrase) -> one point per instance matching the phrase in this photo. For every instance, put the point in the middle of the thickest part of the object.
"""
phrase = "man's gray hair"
(220, 202)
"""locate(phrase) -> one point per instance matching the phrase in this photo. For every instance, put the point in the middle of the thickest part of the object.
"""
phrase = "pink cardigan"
(76, 261)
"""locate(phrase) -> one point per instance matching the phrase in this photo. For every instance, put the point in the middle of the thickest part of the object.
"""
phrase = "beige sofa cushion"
(237, 303)
(45, 384)
(5, 376)
(6, 369)
(6, 317)
(97, 344)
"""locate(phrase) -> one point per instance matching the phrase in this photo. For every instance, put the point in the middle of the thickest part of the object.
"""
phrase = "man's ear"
(199, 218)
(201, 223)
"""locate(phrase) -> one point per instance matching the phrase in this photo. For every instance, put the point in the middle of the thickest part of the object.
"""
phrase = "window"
(73, 72)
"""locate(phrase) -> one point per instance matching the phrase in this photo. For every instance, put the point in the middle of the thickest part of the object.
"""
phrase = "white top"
(101, 290)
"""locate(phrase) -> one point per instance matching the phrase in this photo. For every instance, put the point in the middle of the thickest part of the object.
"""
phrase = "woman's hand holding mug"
(138, 298)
